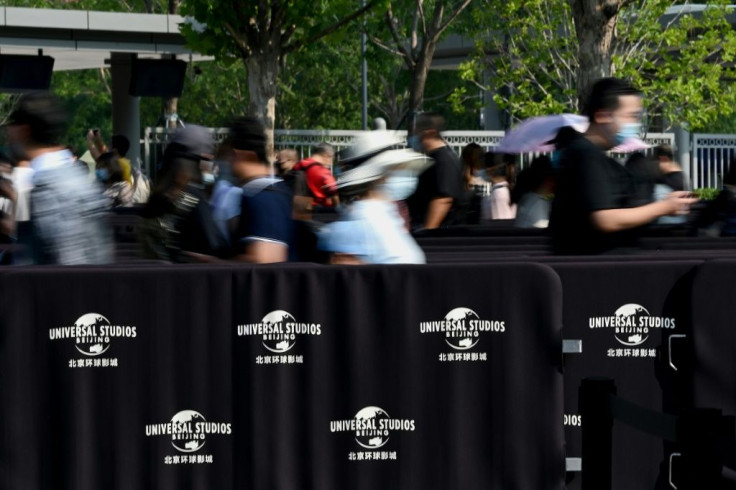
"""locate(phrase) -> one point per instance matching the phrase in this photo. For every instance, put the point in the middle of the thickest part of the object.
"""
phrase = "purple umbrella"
(534, 135)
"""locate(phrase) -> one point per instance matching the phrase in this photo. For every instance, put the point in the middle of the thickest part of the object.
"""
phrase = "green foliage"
(706, 193)
(525, 47)
(683, 67)
(88, 100)
(227, 32)
(682, 64)
(214, 92)
(321, 89)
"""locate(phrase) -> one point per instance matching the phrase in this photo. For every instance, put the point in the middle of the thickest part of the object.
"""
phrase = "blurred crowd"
(232, 201)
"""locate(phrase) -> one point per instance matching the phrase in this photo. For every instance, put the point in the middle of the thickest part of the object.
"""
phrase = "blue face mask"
(415, 143)
(208, 178)
(626, 131)
(399, 186)
(102, 175)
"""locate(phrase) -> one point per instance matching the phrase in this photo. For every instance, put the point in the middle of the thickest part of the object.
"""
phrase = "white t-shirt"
(22, 178)
(498, 204)
(374, 232)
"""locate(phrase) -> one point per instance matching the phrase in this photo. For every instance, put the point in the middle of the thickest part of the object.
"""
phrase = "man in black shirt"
(592, 210)
(439, 188)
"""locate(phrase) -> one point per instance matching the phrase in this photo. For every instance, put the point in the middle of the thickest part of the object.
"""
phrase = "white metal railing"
(712, 155)
(156, 139)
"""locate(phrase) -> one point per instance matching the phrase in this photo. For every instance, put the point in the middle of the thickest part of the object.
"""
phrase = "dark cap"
(195, 140)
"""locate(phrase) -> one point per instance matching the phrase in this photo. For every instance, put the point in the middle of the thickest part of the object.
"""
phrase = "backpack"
(297, 181)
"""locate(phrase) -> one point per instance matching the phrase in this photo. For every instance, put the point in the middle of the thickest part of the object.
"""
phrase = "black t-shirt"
(443, 179)
(673, 180)
(589, 181)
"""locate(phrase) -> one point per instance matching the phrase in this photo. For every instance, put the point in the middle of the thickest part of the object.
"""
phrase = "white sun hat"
(381, 165)
(373, 155)
(367, 144)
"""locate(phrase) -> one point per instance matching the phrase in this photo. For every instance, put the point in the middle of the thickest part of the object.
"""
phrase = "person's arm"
(613, 220)
(7, 217)
(438, 209)
(95, 144)
(328, 184)
(262, 252)
(345, 259)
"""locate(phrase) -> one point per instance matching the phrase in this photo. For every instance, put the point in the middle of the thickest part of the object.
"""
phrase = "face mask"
(399, 186)
(415, 143)
(626, 131)
(208, 178)
(102, 175)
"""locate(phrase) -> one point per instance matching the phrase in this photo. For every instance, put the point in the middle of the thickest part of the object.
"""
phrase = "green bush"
(706, 193)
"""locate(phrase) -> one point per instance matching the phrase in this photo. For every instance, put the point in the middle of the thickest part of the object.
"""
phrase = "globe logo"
(461, 337)
(93, 344)
(629, 315)
(278, 340)
(184, 438)
(369, 431)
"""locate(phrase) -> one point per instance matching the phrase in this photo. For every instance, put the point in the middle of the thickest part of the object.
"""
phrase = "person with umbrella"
(592, 211)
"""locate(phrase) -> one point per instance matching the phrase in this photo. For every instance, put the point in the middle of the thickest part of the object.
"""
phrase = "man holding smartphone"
(593, 211)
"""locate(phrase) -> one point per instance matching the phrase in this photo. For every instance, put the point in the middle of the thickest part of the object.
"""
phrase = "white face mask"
(399, 185)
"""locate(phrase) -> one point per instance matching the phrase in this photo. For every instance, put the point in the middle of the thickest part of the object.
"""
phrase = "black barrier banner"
(281, 378)
(714, 338)
(628, 315)
(403, 377)
(116, 379)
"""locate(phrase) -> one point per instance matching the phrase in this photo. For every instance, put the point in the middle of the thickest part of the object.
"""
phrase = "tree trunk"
(263, 72)
(418, 83)
(595, 25)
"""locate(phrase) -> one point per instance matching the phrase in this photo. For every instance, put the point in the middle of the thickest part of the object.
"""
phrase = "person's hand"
(7, 190)
(679, 202)
(91, 136)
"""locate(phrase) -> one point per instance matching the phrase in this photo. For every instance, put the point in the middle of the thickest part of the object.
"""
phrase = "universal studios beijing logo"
(279, 330)
(372, 427)
(462, 327)
(632, 324)
(188, 430)
(93, 335)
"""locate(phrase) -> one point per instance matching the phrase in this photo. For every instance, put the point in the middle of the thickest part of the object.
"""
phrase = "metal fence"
(155, 140)
(711, 157)
(711, 153)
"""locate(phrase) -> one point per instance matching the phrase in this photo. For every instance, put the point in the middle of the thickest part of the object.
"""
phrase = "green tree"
(414, 29)
(321, 86)
(262, 34)
(543, 55)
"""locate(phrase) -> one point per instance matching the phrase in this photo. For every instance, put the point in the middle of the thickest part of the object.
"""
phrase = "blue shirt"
(265, 213)
(226, 201)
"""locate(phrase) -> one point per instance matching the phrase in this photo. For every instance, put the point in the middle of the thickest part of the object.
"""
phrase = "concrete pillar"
(683, 153)
(126, 110)
(491, 117)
